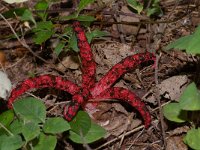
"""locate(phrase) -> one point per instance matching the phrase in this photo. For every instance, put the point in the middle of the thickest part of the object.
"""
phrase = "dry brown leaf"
(69, 62)
(175, 143)
(170, 88)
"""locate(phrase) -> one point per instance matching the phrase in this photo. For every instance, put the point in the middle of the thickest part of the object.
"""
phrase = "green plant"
(190, 43)
(149, 7)
(31, 129)
(188, 107)
(42, 28)
(187, 110)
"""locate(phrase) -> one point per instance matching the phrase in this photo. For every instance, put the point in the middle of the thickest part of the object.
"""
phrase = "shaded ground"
(175, 69)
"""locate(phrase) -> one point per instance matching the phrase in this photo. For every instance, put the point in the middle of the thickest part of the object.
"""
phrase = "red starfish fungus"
(89, 89)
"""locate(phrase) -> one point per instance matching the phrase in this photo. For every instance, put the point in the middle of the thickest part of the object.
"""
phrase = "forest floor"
(129, 33)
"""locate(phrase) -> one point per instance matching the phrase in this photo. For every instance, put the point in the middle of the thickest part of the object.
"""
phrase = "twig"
(18, 61)
(23, 43)
(119, 137)
(127, 124)
(119, 26)
(157, 96)
(135, 139)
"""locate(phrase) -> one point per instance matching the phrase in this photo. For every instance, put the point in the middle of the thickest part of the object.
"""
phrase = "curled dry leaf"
(69, 62)
(170, 88)
(176, 142)
(5, 85)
